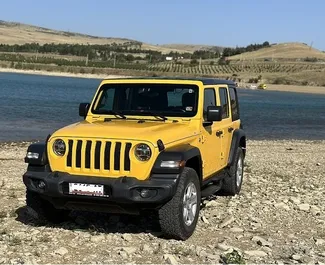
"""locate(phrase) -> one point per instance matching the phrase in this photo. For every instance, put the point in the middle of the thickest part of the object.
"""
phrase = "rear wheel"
(234, 176)
(44, 212)
(178, 217)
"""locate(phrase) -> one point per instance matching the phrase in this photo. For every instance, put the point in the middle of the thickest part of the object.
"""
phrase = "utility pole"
(200, 62)
(87, 60)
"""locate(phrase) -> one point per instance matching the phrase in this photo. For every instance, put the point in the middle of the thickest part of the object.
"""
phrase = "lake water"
(32, 106)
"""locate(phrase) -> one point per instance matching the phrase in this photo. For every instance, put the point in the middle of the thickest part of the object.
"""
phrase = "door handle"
(218, 133)
(230, 129)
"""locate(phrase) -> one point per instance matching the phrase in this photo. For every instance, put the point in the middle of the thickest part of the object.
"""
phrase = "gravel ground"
(279, 217)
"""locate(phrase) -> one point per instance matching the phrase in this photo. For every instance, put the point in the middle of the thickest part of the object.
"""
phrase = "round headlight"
(59, 147)
(142, 152)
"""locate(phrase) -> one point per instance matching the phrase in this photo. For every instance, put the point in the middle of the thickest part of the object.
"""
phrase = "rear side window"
(224, 102)
(234, 104)
(209, 100)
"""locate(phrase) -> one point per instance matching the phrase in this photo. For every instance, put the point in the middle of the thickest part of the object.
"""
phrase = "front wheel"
(43, 212)
(178, 217)
(234, 175)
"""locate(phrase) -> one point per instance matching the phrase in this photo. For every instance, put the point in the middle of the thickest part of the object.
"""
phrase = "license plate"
(87, 189)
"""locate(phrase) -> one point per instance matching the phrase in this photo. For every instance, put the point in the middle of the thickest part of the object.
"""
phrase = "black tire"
(171, 218)
(230, 187)
(43, 211)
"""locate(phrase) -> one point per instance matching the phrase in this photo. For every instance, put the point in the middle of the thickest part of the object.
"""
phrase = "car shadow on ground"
(98, 222)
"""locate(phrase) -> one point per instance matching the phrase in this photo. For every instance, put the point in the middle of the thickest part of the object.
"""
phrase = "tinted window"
(224, 102)
(175, 100)
(233, 104)
(209, 100)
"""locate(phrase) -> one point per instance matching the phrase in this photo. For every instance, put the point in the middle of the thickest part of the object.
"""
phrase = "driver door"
(210, 141)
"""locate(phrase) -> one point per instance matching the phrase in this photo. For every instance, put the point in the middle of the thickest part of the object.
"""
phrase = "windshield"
(175, 100)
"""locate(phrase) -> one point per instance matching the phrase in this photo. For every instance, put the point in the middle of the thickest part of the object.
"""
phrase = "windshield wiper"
(162, 117)
(112, 112)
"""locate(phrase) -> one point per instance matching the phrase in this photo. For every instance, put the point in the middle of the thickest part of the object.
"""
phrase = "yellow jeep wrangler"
(157, 144)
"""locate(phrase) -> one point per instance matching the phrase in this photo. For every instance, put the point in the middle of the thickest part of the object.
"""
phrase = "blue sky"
(213, 22)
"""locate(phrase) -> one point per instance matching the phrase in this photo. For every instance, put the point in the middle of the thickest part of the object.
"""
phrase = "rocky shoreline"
(279, 217)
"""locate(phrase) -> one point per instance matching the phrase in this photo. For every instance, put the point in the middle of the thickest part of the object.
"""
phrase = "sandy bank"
(60, 74)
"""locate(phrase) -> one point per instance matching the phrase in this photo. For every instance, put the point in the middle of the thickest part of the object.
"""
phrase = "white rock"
(97, 238)
(255, 253)
(236, 230)
(213, 257)
(282, 205)
(314, 210)
(294, 200)
(223, 246)
(319, 241)
(127, 237)
(146, 248)
(261, 241)
(304, 207)
(61, 251)
(205, 220)
(123, 254)
(211, 204)
(129, 250)
(227, 221)
(170, 259)
(296, 257)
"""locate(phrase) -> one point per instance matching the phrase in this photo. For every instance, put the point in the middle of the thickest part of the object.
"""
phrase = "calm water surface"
(32, 106)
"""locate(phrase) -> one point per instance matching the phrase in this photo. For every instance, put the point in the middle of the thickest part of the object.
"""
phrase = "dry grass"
(282, 51)
(16, 33)
(189, 47)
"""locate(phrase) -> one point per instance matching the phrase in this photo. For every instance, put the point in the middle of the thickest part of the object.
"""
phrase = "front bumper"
(122, 194)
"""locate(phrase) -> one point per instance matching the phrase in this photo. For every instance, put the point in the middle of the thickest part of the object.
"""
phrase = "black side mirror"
(83, 109)
(214, 113)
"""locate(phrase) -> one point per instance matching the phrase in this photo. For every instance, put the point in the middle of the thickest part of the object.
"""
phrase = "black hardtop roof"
(204, 80)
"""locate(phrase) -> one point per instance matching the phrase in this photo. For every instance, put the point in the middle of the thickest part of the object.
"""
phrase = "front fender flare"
(177, 153)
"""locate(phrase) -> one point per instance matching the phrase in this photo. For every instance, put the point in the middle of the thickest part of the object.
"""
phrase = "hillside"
(283, 51)
(192, 48)
(18, 33)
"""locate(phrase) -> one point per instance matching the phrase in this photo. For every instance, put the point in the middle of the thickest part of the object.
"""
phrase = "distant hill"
(18, 33)
(284, 51)
(192, 48)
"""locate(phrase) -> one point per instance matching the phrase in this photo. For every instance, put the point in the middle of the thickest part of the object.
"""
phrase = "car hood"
(151, 131)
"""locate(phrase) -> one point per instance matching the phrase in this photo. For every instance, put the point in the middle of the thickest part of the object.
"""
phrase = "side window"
(209, 100)
(224, 102)
(234, 104)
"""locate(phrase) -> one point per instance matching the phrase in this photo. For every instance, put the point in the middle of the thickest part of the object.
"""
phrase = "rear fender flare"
(238, 140)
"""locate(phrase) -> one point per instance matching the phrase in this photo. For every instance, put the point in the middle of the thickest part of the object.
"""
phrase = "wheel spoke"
(193, 200)
(190, 215)
(189, 204)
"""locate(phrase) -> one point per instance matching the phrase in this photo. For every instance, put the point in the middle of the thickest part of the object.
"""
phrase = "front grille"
(99, 155)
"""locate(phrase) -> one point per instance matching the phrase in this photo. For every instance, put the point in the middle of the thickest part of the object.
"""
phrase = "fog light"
(145, 193)
(41, 184)
(31, 155)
